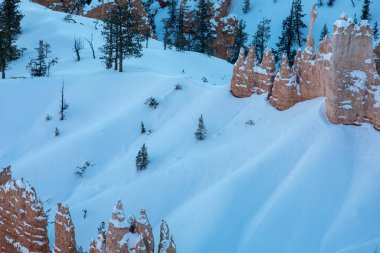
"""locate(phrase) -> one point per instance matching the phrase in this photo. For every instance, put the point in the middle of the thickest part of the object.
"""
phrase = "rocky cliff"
(352, 89)
(64, 231)
(22, 218)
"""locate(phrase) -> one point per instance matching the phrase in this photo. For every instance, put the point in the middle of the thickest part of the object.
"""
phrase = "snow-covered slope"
(293, 182)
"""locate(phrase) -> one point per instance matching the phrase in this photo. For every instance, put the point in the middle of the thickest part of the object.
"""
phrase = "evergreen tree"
(38, 66)
(285, 43)
(10, 19)
(298, 24)
(366, 15)
(142, 158)
(121, 34)
(200, 134)
(170, 24)
(240, 40)
(355, 19)
(246, 6)
(262, 37)
(180, 39)
(203, 30)
(324, 32)
(375, 31)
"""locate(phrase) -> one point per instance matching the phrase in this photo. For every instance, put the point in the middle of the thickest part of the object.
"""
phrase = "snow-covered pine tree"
(142, 158)
(285, 43)
(10, 19)
(170, 24)
(262, 37)
(324, 32)
(204, 33)
(366, 14)
(246, 6)
(240, 40)
(200, 134)
(375, 31)
(108, 49)
(122, 37)
(298, 24)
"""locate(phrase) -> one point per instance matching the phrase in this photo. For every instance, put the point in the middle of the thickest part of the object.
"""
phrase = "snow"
(293, 182)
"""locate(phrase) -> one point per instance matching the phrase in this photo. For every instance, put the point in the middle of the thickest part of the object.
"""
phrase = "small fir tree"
(262, 37)
(285, 43)
(330, 2)
(142, 128)
(324, 32)
(240, 40)
(298, 24)
(246, 6)
(142, 158)
(200, 134)
(180, 41)
(63, 106)
(366, 15)
(40, 66)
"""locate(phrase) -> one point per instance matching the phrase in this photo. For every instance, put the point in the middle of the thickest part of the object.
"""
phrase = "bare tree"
(78, 46)
(91, 43)
(63, 106)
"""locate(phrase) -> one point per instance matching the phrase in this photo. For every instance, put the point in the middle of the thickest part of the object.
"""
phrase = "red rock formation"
(249, 76)
(22, 218)
(352, 90)
(285, 91)
(64, 231)
(62, 5)
(166, 244)
(145, 229)
(117, 228)
(98, 245)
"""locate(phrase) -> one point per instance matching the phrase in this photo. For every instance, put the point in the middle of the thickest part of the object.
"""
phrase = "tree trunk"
(2, 72)
(121, 59)
(116, 58)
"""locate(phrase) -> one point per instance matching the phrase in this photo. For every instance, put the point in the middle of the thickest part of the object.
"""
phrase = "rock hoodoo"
(249, 76)
(22, 218)
(98, 245)
(166, 244)
(64, 231)
(352, 89)
(145, 229)
(377, 58)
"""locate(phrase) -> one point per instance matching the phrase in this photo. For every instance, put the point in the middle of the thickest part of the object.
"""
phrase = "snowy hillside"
(292, 182)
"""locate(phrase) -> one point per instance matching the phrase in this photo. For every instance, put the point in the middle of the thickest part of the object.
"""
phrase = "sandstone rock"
(240, 84)
(166, 244)
(64, 231)
(264, 73)
(285, 90)
(70, 6)
(98, 245)
(22, 218)
(117, 228)
(352, 90)
(145, 229)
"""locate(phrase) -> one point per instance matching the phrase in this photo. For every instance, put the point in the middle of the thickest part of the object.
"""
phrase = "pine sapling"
(142, 158)
(142, 128)
(200, 134)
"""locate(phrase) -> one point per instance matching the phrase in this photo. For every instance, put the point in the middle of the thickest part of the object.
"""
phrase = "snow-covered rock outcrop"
(250, 76)
(64, 231)
(145, 229)
(352, 91)
(166, 244)
(22, 218)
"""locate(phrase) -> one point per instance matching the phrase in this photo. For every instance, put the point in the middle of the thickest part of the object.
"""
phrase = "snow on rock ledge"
(22, 218)
(64, 231)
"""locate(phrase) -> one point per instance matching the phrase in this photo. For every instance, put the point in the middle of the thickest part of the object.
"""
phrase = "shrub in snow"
(200, 134)
(82, 169)
(142, 128)
(56, 132)
(48, 117)
(84, 213)
(249, 123)
(178, 86)
(151, 102)
(63, 106)
(102, 227)
(204, 79)
(142, 158)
